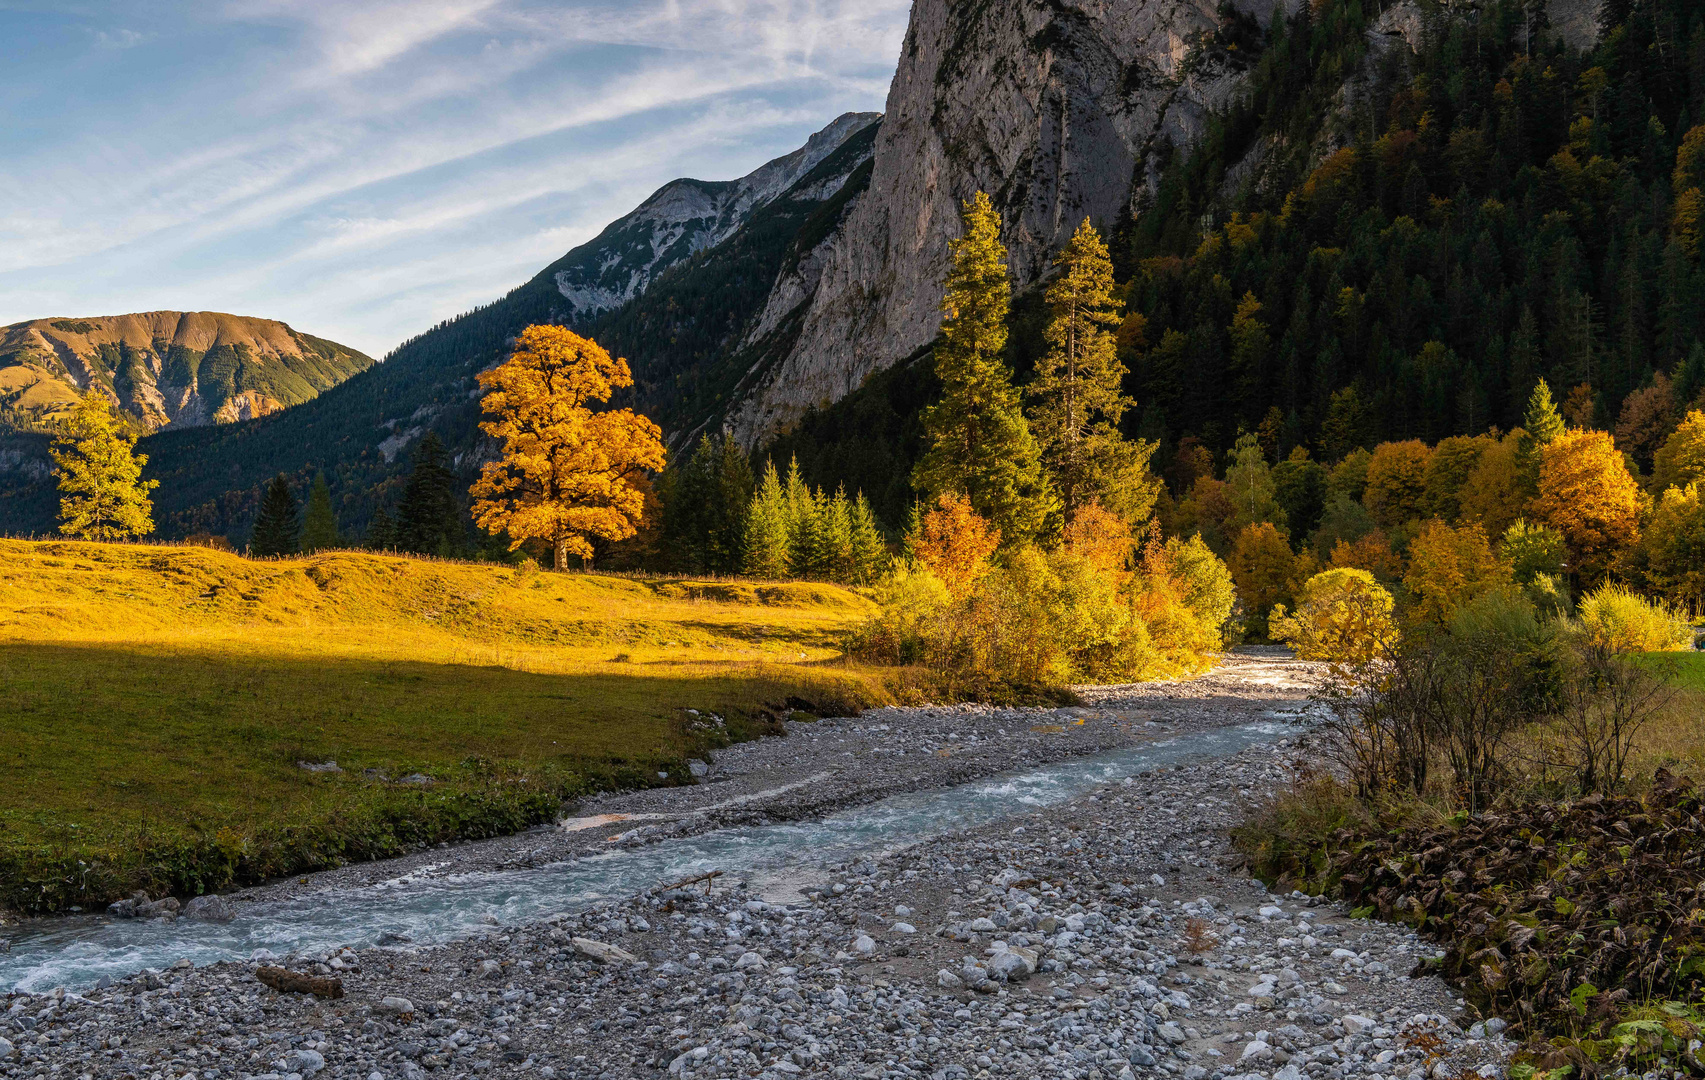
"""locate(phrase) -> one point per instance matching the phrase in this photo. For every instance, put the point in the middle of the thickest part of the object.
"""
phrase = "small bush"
(1624, 621)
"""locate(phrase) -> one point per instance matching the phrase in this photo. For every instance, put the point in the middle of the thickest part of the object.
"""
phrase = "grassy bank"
(156, 703)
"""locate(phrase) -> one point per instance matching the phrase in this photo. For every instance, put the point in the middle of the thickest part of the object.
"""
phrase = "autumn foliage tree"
(567, 472)
(1449, 567)
(1586, 494)
(955, 542)
(102, 495)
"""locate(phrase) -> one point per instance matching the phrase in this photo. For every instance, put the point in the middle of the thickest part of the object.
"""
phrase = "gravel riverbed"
(1107, 936)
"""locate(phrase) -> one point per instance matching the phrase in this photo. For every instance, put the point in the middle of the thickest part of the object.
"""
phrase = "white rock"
(601, 951)
(749, 961)
(1343, 954)
(1289, 1072)
(1356, 1025)
(864, 945)
(306, 1062)
(394, 1006)
(982, 926)
(947, 980)
(6, 1049)
(1256, 1051)
(904, 928)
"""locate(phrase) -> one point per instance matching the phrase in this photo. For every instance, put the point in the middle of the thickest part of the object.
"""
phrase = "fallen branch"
(705, 878)
(294, 982)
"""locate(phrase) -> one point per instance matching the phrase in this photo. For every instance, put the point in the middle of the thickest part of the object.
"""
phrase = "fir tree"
(767, 545)
(1078, 396)
(278, 529)
(319, 524)
(429, 516)
(977, 439)
(1541, 424)
(102, 493)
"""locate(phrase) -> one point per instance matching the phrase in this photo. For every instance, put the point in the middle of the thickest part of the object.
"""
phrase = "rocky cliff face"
(683, 218)
(166, 367)
(1052, 106)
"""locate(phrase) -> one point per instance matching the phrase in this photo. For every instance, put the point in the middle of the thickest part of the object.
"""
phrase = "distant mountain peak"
(679, 220)
(165, 368)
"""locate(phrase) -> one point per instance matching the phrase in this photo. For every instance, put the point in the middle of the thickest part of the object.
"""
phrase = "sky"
(363, 169)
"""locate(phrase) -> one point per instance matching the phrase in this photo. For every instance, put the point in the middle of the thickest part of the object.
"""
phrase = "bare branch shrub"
(1606, 700)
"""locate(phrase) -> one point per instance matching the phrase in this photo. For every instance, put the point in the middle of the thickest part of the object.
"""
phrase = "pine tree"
(1078, 395)
(977, 439)
(706, 497)
(319, 524)
(102, 493)
(1541, 425)
(429, 517)
(767, 546)
(278, 529)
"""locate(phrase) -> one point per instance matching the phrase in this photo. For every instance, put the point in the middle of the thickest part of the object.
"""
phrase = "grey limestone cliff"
(1049, 105)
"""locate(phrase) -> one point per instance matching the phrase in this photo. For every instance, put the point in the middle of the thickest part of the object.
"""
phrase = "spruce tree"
(767, 545)
(835, 537)
(382, 531)
(1541, 424)
(869, 550)
(801, 517)
(319, 524)
(977, 440)
(278, 530)
(706, 498)
(429, 515)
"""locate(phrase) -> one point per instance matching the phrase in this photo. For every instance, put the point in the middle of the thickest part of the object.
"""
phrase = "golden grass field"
(155, 701)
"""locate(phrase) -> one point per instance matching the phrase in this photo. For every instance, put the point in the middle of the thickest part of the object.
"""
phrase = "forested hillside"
(1382, 243)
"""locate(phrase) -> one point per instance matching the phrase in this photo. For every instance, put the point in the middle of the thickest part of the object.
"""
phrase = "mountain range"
(1402, 212)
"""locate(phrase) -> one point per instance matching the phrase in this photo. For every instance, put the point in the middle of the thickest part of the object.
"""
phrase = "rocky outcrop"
(683, 218)
(184, 368)
(1052, 106)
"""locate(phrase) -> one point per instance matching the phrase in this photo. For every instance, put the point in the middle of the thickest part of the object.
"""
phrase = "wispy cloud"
(368, 168)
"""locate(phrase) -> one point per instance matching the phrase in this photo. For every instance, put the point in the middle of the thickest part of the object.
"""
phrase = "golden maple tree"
(1586, 494)
(1451, 567)
(568, 474)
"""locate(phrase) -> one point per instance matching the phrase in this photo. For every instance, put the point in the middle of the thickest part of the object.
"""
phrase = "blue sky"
(363, 170)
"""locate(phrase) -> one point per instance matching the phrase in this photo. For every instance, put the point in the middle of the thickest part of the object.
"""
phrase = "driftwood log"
(294, 982)
(705, 879)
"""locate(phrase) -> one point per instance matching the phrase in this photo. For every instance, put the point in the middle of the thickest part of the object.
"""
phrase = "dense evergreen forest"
(1491, 209)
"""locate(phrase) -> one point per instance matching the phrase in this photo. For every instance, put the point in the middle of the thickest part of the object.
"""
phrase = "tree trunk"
(562, 553)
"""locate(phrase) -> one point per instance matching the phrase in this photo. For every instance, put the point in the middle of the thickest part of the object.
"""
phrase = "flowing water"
(76, 951)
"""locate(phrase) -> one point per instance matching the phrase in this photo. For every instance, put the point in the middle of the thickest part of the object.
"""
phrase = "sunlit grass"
(150, 692)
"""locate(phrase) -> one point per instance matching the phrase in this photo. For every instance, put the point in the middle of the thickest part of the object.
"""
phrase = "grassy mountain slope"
(158, 700)
(165, 367)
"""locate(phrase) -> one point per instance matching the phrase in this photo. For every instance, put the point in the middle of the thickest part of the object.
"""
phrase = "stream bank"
(1056, 941)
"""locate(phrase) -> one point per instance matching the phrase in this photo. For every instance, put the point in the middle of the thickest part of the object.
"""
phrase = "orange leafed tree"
(1586, 494)
(568, 474)
(956, 542)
